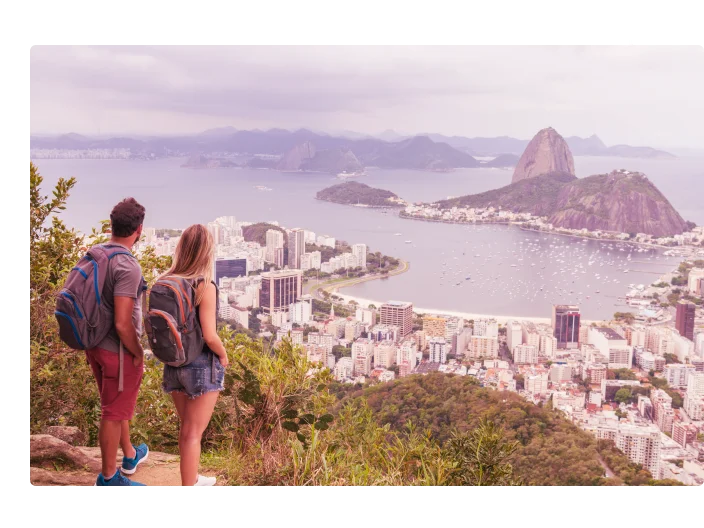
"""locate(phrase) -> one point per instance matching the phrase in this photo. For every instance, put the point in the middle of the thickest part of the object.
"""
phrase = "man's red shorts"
(105, 365)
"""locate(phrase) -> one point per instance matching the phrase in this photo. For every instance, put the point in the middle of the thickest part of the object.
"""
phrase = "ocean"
(488, 269)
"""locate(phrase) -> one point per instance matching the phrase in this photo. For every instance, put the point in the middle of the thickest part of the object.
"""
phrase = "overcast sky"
(636, 95)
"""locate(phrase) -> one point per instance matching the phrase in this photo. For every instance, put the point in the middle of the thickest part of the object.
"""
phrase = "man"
(119, 372)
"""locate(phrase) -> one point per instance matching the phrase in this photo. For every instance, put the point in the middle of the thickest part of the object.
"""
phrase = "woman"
(195, 387)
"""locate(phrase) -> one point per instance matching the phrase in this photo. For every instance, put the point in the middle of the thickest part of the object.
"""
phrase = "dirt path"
(63, 465)
(607, 470)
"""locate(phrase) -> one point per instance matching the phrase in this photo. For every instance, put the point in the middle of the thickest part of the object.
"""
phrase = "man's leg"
(109, 439)
(125, 442)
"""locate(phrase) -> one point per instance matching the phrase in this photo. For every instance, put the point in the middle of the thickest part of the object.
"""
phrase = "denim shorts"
(204, 374)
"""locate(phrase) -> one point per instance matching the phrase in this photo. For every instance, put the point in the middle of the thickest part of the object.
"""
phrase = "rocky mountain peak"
(546, 153)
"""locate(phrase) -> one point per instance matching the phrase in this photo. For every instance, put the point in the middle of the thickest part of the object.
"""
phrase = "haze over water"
(177, 197)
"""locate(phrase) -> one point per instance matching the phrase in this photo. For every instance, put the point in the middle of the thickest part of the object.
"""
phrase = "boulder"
(69, 434)
(49, 452)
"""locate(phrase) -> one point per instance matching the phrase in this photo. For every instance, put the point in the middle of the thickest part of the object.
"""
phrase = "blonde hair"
(194, 257)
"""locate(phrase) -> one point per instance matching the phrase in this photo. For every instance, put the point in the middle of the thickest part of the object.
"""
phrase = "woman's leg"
(194, 419)
(180, 400)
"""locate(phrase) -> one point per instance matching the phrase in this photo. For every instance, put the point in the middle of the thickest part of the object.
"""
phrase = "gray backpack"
(172, 324)
(83, 318)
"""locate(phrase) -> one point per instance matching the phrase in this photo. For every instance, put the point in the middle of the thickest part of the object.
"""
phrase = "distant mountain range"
(425, 151)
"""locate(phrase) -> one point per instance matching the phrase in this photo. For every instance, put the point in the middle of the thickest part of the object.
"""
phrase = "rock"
(54, 462)
(47, 451)
(297, 157)
(334, 161)
(69, 434)
(622, 201)
(547, 153)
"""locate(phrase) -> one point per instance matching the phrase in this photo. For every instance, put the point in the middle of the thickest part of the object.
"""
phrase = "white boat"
(409, 241)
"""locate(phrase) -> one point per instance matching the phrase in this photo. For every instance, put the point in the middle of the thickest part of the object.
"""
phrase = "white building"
(360, 254)
(274, 241)
(365, 316)
(362, 347)
(525, 355)
(324, 240)
(408, 352)
(548, 345)
(695, 383)
(453, 326)
(536, 383)
(384, 354)
(514, 334)
(649, 361)
(438, 350)
(612, 345)
(279, 318)
(343, 369)
(486, 328)
(677, 374)
(362, 364)
(640, 443)
(387, 376)
(694, 281)
(699, 345)
(483, 347)
(300, 312)
(531, 336)
(683, 347)
(560, 372)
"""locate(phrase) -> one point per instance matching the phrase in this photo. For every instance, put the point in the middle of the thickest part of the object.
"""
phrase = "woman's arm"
(208, 323)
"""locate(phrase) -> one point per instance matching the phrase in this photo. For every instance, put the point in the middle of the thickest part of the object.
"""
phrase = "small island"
(359, 194)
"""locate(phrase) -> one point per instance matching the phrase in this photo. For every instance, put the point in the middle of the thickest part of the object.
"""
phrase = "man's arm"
(125, 327)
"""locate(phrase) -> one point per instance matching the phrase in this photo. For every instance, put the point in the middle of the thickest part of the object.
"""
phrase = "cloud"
(494, 90)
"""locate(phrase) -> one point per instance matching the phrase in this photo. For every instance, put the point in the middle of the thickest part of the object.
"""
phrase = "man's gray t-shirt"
(124, 279)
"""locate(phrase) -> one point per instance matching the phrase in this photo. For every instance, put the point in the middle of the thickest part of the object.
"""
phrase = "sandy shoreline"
(501, 319)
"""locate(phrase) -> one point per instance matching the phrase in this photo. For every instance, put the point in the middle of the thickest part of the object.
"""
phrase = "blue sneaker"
(129, 465)
(117, 480)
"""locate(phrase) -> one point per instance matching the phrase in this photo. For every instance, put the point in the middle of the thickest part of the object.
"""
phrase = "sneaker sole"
(131, 471)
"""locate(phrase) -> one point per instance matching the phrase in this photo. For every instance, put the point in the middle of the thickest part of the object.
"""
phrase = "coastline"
(362, 206)
(334, 288)
(501, 319)
(524, 228)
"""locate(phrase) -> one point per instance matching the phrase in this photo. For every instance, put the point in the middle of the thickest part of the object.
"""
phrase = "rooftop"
(610, 333)
(398, 304)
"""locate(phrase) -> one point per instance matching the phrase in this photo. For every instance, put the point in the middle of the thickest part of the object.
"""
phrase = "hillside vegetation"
(551, 451)
(352, 193)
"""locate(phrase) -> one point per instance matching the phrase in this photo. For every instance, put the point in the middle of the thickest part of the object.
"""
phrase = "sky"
(636, 95)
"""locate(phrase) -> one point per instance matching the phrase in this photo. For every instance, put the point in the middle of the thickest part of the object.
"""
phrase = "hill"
(533, 195)
(352, 193)
(502, 161)
(419, 152)
(552, 451)
(257, 233)
(621, 201)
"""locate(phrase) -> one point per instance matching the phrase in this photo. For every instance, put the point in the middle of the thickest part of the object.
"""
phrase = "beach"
(501, 319)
